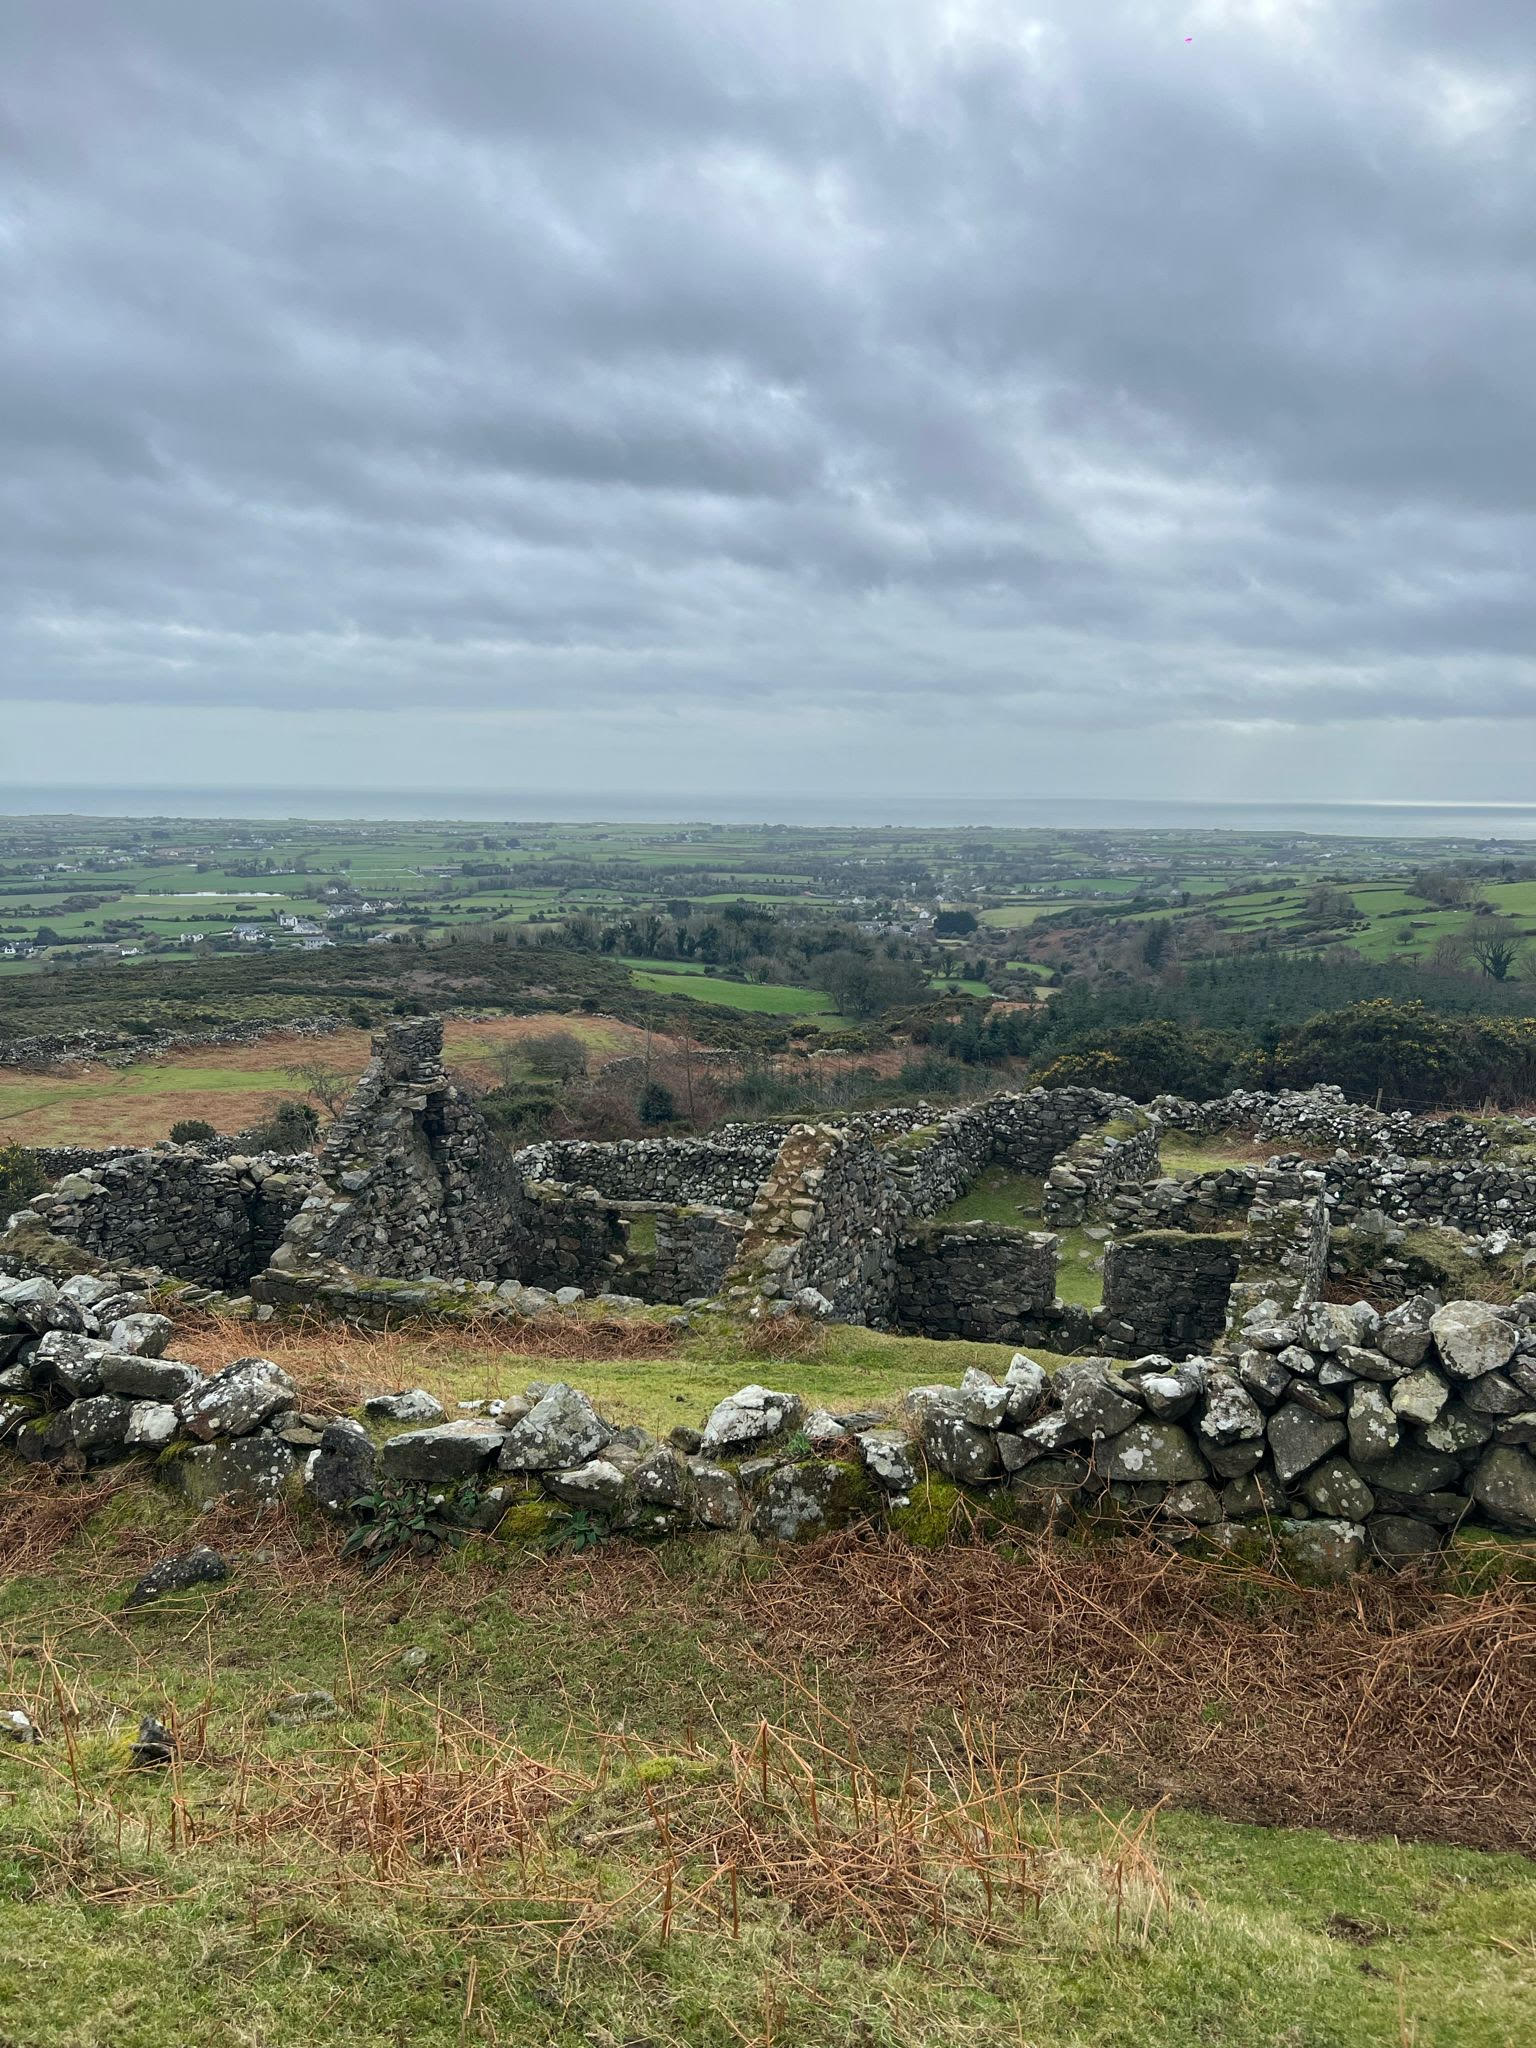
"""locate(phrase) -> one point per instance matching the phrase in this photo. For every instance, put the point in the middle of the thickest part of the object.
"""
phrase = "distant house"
(313, 945)
(249, 934)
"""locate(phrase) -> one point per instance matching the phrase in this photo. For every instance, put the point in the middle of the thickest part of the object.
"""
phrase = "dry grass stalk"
(1382, 1704)
(338, 1364)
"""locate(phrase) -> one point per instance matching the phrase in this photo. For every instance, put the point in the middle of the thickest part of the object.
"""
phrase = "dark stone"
(200, 1567)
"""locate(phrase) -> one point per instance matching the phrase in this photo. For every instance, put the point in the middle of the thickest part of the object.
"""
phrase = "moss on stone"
(528, 1523)
(940, 1512)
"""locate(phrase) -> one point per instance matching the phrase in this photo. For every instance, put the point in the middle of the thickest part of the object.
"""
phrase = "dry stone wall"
(1166, 1291)
(824, 1223)
(413, 1182)
(695, 1250)
(984, 1281)
(1333, 1433)
(1085, 1175)
(720, 1173)
(215, 1221)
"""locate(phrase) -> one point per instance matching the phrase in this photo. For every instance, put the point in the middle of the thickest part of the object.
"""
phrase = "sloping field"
(233, 1086)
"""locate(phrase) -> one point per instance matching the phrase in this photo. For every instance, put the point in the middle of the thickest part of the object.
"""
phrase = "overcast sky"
(892, 395)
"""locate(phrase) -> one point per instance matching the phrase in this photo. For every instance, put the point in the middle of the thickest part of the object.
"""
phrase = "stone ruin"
(1214, 1386)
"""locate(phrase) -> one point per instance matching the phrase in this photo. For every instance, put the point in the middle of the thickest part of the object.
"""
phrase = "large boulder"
(441, 1456)
(238, 1400)
(1298, 1439)
(1472, 1338)
(1504, 1487)
(748, 1419)
(1150, 1452)
(561, 1430)
(951, 1444)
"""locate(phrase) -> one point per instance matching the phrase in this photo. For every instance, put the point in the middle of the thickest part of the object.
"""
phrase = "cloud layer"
(899, 368)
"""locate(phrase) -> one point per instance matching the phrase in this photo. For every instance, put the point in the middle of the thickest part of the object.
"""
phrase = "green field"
(769, 999)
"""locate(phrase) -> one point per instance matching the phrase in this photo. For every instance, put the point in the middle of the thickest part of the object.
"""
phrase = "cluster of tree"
(1399, 1055)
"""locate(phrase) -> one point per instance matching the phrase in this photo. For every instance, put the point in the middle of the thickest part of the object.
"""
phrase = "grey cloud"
(397, 353)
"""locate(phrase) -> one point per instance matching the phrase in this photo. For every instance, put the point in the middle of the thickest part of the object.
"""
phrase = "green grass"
(768, 998)
(1000, 1195)
(142, 1908)
(965, 988)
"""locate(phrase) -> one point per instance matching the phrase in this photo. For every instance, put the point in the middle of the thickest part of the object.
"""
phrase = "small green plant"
(579, 1530)
(797, 1446)
(414, 1521)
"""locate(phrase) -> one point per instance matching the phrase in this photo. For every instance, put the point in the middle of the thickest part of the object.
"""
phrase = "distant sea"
(1478, 822)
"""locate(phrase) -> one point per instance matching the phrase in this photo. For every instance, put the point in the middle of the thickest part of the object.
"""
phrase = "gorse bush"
(21, 1178)
(191, 1130)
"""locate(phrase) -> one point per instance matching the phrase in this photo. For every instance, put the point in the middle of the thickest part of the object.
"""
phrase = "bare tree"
(328, 1085)
(1495, 943)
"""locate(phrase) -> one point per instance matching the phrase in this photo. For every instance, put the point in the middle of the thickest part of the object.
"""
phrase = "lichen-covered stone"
(414, 1405)
(1472, 1338)
(144, 1336)
(1420, 1395)
(561, 1430)
(342, 1466)
(238, 1400)
(749, 1418)
(1298, 1439)
(950, 1443)
(441, 1455)
(148, 1379)
(1148, 1452)
(1335, 1489)
(202, 1566)
(1504, 1486)
(1373, 1425)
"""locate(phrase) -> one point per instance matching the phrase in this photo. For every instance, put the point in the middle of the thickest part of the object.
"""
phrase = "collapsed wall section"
(413, 1183)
